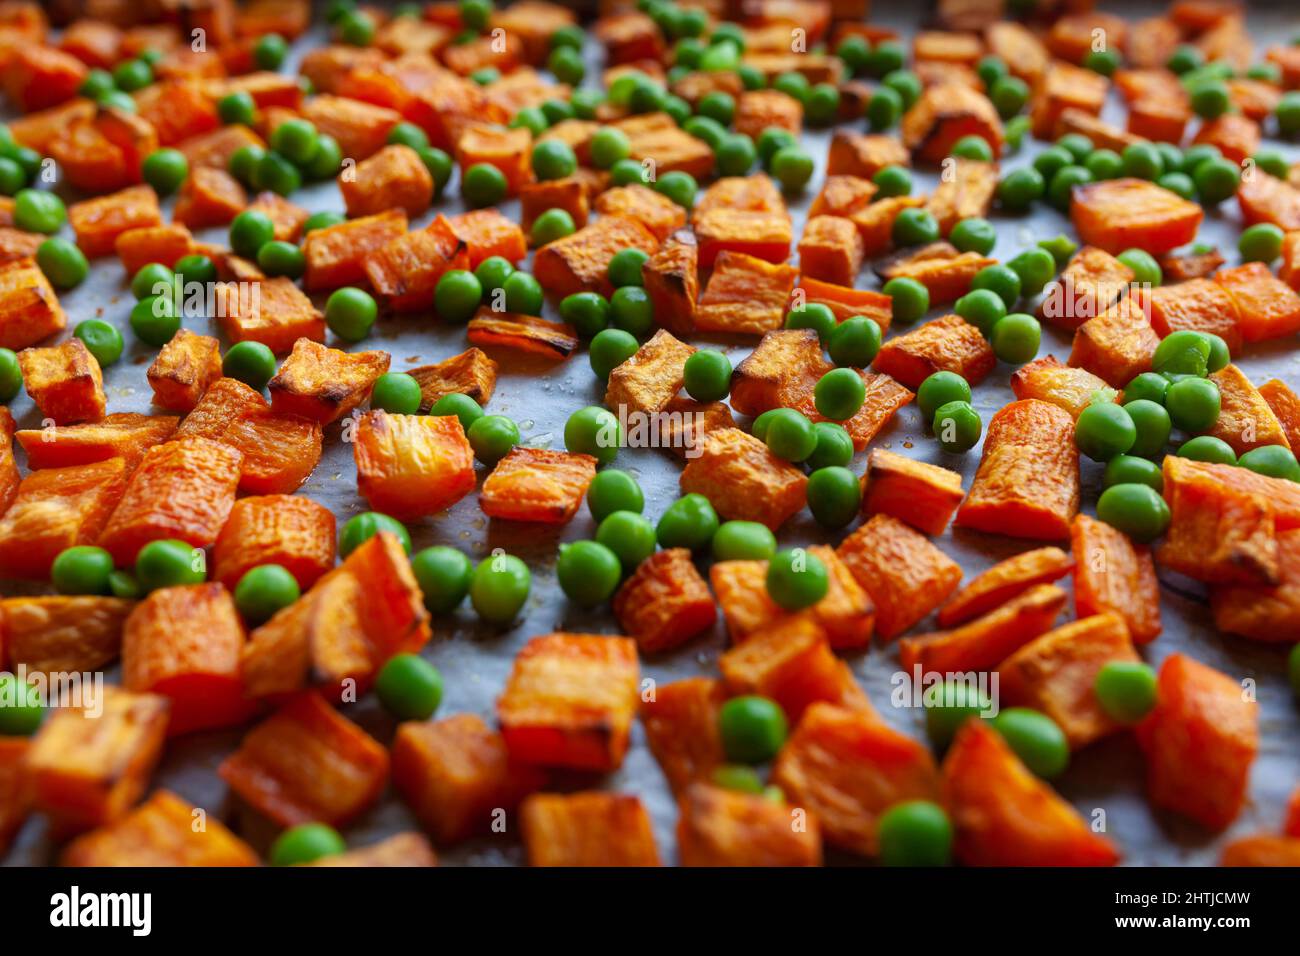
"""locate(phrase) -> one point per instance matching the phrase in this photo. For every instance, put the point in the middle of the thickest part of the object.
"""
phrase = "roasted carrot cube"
(981, 644)
(1003, 815)
(98, 222)
(1180, 268)
(658, 138)
(505, 54)
(166, 244)
(1235, 135)
(684, 423)
(274, 312)
(412, 465)
(1027, 483)
(183, 643)
(29, 308)
(86, 769)
(757, 110)
(1119, 214)
(95, 43)
(209, 197)
(570, 700)
(351, 621)
(360, 128)
(1111, 573)
(1200, 305)
(580, 261)
(405, 271)
(1265, 198)
(846, 613)
(648, 380)
(1003, 582)
(672, 282)
(1018, 47)
(16, 245)
(592, 828)
(1286, 408)
(1064, 386)
(831, 250)
(307, 763)
(1117, 344)
(487, 233)
(944, 114)
(455, 773)
(681, 728)
(567, 194)
(720, 827)
(41, 129)
(764, 235)
(1200, 741)
(287, 218)
(628, 36)
(62, 634)
(755, 193)
(289, 530)
(1071, 36)
(336, 254)
(37, 77)
(1093, 281)
(863, 155)
(123, 435)
(659, 214)
(1263, 612)
(946, 273)
(64, 381)
(393, 178)
(1267, 308)
(183, 489)
(923, 495)
(665, 602)
(184, 369)
(947, 344)
(470, 373)
(88, 159)
(966, 191)
(746, 294)
(1245, 420)
(1065, 86)
(162, 831)
(328, 67)
(846, 767)
(847, 302)
(322, 384)
(214, 149)
(523, 333)
(744, 480)
(534, 484)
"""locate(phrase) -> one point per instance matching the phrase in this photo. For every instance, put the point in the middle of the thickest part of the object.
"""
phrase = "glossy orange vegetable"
(946, 273)
(944, 114)
(1065, 386)
(671, 277)
(681, 727)
(656, 212)
(744, 480)
(863, 155)
(1092, 282)
(665, 602)
(336, 254)
(393, 178)
(62, 634)
(1200, 305)
(745, 294)
(980, 644)
(9, 477)
(523, 333)
(1220, 531)
(763, 234)
(209, 197)
(847, 302)
(534, 484)
(162, 831)
(360, 128)
(1064, 86)
(471, 373)
(1119, 214)
(649, 380)
(487, 233)
(946, 344)
(29, 307)
(98, 222)
(165, 244)
(720, 827)
(15, 802)
(580, 262)
(184, 369)
(322, 384)
(273, 312)
(412, 465)
(923, 495)
(124, 435)
(289, 530)
(1116, 345)
(1111, 573)
(64, 381)
(831, 249)
(1286, 408)
(591, 828)
(1267, 308)
(1263, 612)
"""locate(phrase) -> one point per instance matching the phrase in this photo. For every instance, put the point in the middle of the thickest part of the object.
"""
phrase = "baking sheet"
(540, 395)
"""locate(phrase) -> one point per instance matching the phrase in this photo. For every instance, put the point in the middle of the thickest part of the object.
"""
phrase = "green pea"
(492, 437)
(269, 51)
(396, 393)
(279, 258)
(974, 234)
(81, 569)
(1216, 180)
(1077, 145)
(154, 320)
(466, 410)
(1104, 430)
(306, 843)
(1036, 268)
(1061, 189)
(834, 446)
(96, 84)
(910, 299)
(1009, 95)
(990, 69)
(1184, 352)
(772, 139)
(886, 57)
(322, 220)
(982, 308)
(587, 312)
(752, 728)
(277, 173)
(834, 496)
(62, 262)
(444, 576)
(625, 267)
(1150, 386)
(677, 185)
(249, 362)
(743, 541)
(973, 147)
(567, 65)
(360, 528)
(790, 435)
(553, 159)
(357, 29)
(593, 431)
(813, 315)
(1051, 161)
(613, 490)
(609, 349)
(249, 231)
(1211, 100)
(793, 84)
(492, 273)
(437, 161)
(409, 687)
(796, 579)
(1208, 448)
(38, 211)
(628, 535)
(751, 77)
(736, 155)
(169, 563)
(1000, 279)
(884, 108)
(165, 170)
(1126, 690)
(23, 711)
(717, 106)
(237, 108)
(1153, 427)
(1273, 163)
(915, 833)
(1105, 62)
(707, 375)
(792, 167)
(907, 84)
(957, 426)
(1036, 739)
(483, 185)
(1288, 113)
(915, 227)
(631, 310)
(1193, 404)
(588, 572)
(1136, 509)
(523, 293)
(1186, 57)
(839, 394)
(101, 339)
(1180, 184)
(938, 390)
(11, 375)
(1129, 469)
(1016, 338)
(1146, 270)
(1275, 461)
(1142, 161)
(132, 75)
(196, 269)
(689, 522)
(1196, 154)
(951, 705)
(822, 105)
(264, 590)
(609, 145)
(1293, 669)
(499, 588)
(855, 52)
(350, 313)
(457, 296)
(892, 181)
(855, 342)
(12, 176)
(1261, 242)
(552, 225)
(707, 129)
(1020, 189)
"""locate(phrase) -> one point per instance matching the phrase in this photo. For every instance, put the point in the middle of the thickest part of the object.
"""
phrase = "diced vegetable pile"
(654, 240)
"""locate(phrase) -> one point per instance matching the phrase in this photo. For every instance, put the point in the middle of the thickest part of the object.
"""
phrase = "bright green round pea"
(553, 159)
(752, 728)
(1001, 279)
(790, 435)
(594, 431)
(974, 234)
(196, 269)
(1126, 690)
(839, 394)
(96, 84)
(907, 84)
(1061, 188)
(169, 563)
(718, 106)
(1184, 352)
(1211, 100)
(264, 590)
(608, 145)
(1180, 184)
(884, 108)
(62, 262)
(154, 320)
(102, 340)
(609, 349)
(628, 535)
(973, 147)
(1129, 469)
(237, 108)
(770, 141)
(813, 315)
(322, 220)
(892, 181)
(567, 65)
(1051, 161)
(1016, 338)
(250, 231)
(1105, 62)
(132, 75)
(1077, 145)
(1185, 58)
(631, 310)
(855, 342)
(396, 393)
(614, 490)
(11, 375)
(165, 170)
(1193, 404)
(443, 575)
(886, 57)
(457, 295)
(588, 572)
(793, 84)
(277, 173)
(1149, 385)
(1275, 461)
(938, 390)
(251, 363)
(834, 496)
(915, 227)
(483, 185)
(306, 843)
(910, 299)
(492, 273)
(952, 705)
(409, 687)
(1142, 161)
(1146, 270)
(796, 579)
(1216, 180)
(676, 184)
(1036, 267)
(957, 426)
(523, 293)
(625, 267)
(587, 312)
(81, 569)
(38, 211)
(350, 313)
(792, 167)
(12, 176)
(915, 833)
(822, 105)
(1036, 739)
(689, 522)
(492, 437)
(23, 711)
(280, 258)
(152, 279)
(1288, 113)
(466, 410)
(1136, 509)
(834, 446)
(735, 156)
(1104, 430)
(360, 528)
(356, 29)
(1261, 242)
(743, 541)
(1009, 95)
(552, 225)
(269, 51)
(982, 308)
(1196, 154)
(1153, 426)
(499, 588)
(707, 375)
(437, 161)
(1208, 448)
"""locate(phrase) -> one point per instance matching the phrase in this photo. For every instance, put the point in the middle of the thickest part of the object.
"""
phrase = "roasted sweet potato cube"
(506, 149)
(567, 194)
(1003, 815)
(86, 768)
(96, 43)
(522, 333)
(720, 827)
(681, 728)
(322, 384)
(1055, 674)
(1200, 741)
(9, 477)
(904, 574)
(944, 114)
(289, 530)
(846, 767)
(287, 218)
(1267, 308)
(98, 222)
(665, 602)
(756, 193)
(875, 221)
(360, 128)
(946, 273)
(393, 178)
(29, 308)
(505, 54)
(88, 159)
(757, 110)
(746, 294)
(1092, 282)
(842, 195)
(744, 480)
(847, 302)
(345, 628)
(274, 312)
(947, 46)
(166, 244)
(1263, 612)
(54, 509)
(15, 801)
(336, 254)
(455, 773)
(328, 67)
(183, 489)
(64, 381)
(307, 763)
(1286, 408)
(1246, 420)
(1235, 135)
(923, 495)
(535, 484)
(409, 466)
(764, 235)
(1162, 119)
(16, 245)
(672, 282)
(831, 249)
(37, 77)
(1262, 850)
(1003, 582)
(1111, 573)
(656, 212)
(1027, 483)
(1064, 386)
(123, 435)
(184, 643)
(648, 380)
(1117, 344)
(1265, 198)
(1180, 268)
(657, 137)
(487, 233)
(209, 197)
(214, 149)
(160, 832)
(470, 373)
(1020, 48)
(946, 344)
(1119, 214)
(570, 700)
(863, 155)
(580, 261)
(1200, 305)
(965, 192)
(184, 369)
(980, 644)
(62, 634)
(592, 828)
(1065, 86)
(684, 423)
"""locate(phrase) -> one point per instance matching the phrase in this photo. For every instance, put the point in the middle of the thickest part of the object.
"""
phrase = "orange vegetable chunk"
(948, 344)
(62, 634)
(289, 530)
(863, 155)
(336, 254)
(1246, 420)
(1264, 612)
(648, 380)
(665, 602)
(471, 373)
(744, 295)
(184, 369)
(1117, 344)
(1267, 308)
(487, 233)
(591, 828)
(846, 302)
(165, 244)
(1091, 283)
(393, 178)
(1119, 214)
(162, 831)
(744, 480)
(720, 827)
(1285, 404)
(208, 197)
(409, 466)
(656, 212)
(831, 249)
(681, 729)
(534, 484)
(98, 222)
(64, 381)
(29, 307)
(274, 312)
(762, 234)
(944, 114)
(360, 128)
(322, 384)
(124, 435)
(1003, 582)
(980, 644)
(1064, 386)
(1200, 305)
(1111, 573)
(580, 262)
(923, 495)
(671, 277)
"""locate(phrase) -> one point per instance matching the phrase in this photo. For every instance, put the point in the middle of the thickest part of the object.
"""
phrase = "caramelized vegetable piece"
(681, 729)
(1199, 305)
(1245, 420)
(274, 312)
(1004, 582)
(487, 233)
(209, 197)
(1116, 345)
(946, 274)
(1093, 281)
(455, 774)
(399, 850)
(1286, 408)
(757, 110)
(657, 137)
(214, 149)
(967, 191)
(581, 261)
(183, 489)
(99, 221)
(665, 602)
(37, 77)
(1027, 483)
(720, 827)
(904, 574)
(351, 621)
(62, 634)
(9, 478)
(471, 373)
(184, 369)
(534, 484)
(1200, 741)
(523, 333)
(980, 644)
(1262, 850)
(1119, 214)
(165, 244)
(1281, 494)
(360, 128)
(946, 344)
(744, 480)
(323, 384)
(15, 801)
(64, 381)
(846, 302)
(656, 212)
(649, 380)
(29, 308)
(591, 828)
(1111, 573)
(671, 277)
(846, 767)
(1179, 269)
(409, 466)
(393, 178)
(57, 508)
(744, 295)
(336, 254)
(843, 195)
(831, 250)
(944, 114)
(1264, 612)
(1265, 198)
(762, 234)
(570, 700)
(1267, 308)
(923, 495)
(289, 530)
(863, 155)
(87, 767)
(756, 193)
(124, 435)
(1065, 86)
(1221, 531)
(162, 831)
(307, 763)
(1064, 386)
(1003, 815)
(287, 218)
